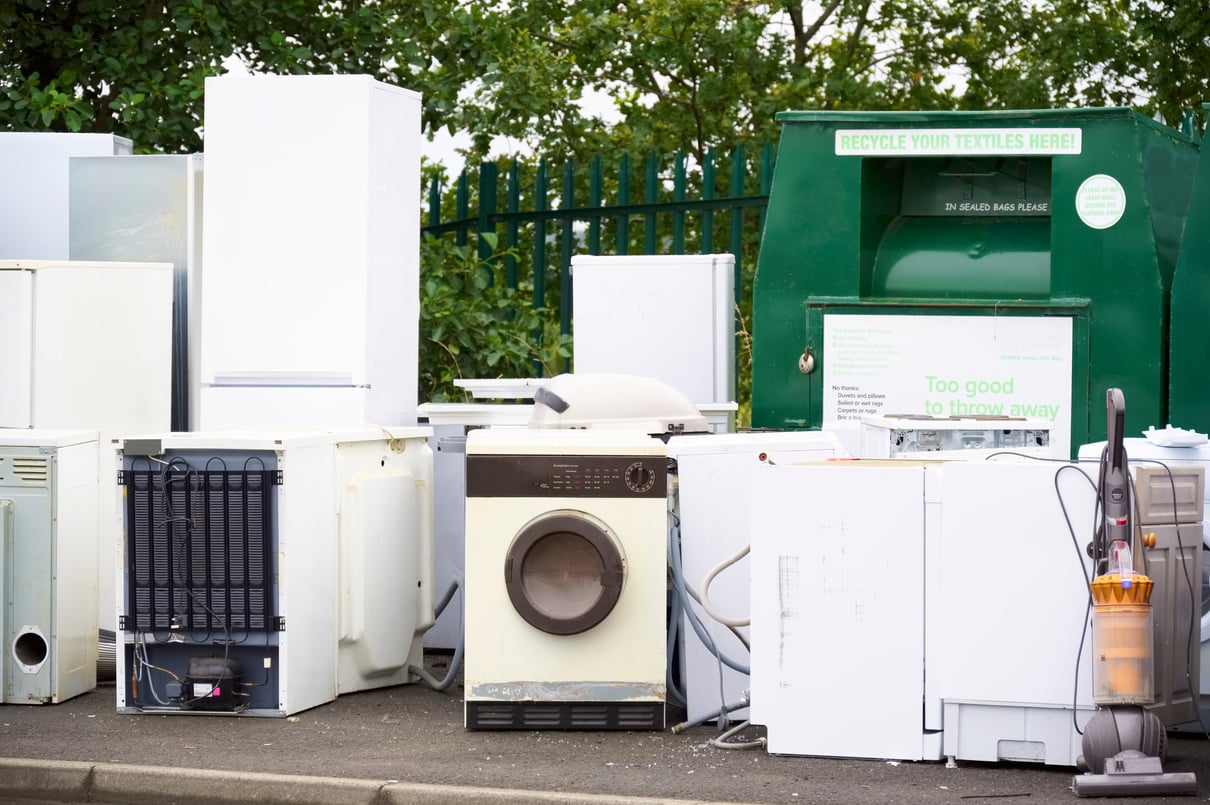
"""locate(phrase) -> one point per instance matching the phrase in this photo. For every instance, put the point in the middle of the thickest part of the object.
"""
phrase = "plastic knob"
(1149, 539)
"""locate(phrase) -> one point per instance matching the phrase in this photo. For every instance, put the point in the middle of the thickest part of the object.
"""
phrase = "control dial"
(639, 477)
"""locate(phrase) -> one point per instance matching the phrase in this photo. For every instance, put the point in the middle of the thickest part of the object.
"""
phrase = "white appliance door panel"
(34, 219)
(1013, 584)
(285, 205)
(838, 609)
(16, 349)
(103, 348)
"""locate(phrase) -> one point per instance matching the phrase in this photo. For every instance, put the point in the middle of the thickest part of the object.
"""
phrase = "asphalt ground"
(408, 744)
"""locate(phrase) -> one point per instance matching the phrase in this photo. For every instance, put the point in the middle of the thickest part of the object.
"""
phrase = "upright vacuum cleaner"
(1124, 743)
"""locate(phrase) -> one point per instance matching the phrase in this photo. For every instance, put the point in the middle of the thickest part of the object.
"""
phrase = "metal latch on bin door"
(806, 361)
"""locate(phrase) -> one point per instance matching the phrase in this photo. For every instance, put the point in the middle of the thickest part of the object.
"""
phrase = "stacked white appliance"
(88, 345)
(909, 609)
(310, 298)
(148, 207)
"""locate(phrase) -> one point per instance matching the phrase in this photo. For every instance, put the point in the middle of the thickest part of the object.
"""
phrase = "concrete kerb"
(73, 781)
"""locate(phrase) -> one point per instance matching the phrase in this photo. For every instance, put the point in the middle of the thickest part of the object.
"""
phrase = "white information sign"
(1100, 201)
(1018, 366)
(957, 142)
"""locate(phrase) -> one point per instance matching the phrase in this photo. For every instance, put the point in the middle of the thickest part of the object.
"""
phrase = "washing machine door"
(564, 572)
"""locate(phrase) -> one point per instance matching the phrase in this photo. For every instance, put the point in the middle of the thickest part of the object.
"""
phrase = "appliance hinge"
(279, 623)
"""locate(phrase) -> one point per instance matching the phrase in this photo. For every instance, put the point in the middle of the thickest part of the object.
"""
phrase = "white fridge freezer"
(34, 204)
(87, 345)
(310, 298)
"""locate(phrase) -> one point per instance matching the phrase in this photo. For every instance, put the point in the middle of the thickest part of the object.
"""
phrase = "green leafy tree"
(1174, 56)
(139, 69)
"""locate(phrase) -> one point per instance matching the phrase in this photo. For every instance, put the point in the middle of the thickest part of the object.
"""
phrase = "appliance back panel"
(201, 545)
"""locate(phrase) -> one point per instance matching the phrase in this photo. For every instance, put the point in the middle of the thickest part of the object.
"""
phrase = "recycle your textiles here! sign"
(950, 366)
(958, 142)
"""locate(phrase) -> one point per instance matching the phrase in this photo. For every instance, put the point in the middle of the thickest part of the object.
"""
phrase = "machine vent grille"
(199, 555)
(31, 470)
(565, 715)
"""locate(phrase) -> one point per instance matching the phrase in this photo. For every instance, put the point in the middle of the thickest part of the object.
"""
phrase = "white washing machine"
(566, 579)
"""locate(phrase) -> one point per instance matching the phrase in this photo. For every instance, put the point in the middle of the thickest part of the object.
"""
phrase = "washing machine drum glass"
(564, 573)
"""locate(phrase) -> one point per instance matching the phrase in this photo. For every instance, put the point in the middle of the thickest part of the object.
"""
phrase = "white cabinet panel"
(665, 316)
(838, 609)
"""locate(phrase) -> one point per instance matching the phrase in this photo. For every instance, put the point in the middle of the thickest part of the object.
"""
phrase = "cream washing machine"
(566, 575)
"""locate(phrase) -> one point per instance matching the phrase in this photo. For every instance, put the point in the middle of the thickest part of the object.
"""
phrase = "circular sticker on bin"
(1100, 201)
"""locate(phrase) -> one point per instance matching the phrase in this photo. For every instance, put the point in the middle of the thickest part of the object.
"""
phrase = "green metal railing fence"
(682, 206)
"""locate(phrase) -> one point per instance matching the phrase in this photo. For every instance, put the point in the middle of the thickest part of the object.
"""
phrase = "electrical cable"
(1075, 692)
(685, 609)
(675, 613)
(683, 594)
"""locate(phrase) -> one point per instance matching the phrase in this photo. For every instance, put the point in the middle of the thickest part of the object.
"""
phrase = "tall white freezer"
(310, 298)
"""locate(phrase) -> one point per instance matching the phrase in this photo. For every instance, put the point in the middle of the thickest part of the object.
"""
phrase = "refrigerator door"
(16, 348)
